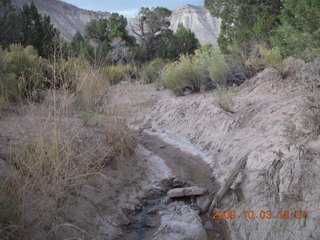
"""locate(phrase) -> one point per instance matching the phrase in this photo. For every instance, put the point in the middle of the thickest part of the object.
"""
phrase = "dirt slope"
(279, 175)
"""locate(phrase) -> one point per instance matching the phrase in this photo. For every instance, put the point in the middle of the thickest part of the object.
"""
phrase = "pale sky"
(130, 8)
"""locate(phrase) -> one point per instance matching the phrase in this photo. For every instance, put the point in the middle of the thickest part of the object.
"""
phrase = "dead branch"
(230, 180)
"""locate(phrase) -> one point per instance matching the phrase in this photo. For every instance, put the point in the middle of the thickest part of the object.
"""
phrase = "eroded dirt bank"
(280, 175)
(116, 183)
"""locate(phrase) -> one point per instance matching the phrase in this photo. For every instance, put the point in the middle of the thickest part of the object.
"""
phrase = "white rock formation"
(199, 20)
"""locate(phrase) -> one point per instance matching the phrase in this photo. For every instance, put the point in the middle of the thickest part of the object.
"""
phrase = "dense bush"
(211, 60)
(117, 73)
(272, 58)
(298, 35)
(290, 25)
(237, 70)
(21, 72)
(244, 23)
(221, 70)
(151, 71)
(182, 75)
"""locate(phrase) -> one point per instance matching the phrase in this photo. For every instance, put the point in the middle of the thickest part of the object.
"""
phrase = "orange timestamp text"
(300, 214)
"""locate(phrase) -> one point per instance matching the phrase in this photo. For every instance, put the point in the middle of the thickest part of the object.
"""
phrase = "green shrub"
(298, 35)
(152, 70)
(272, 58)
(117, 73)
(226, 98)
(182, 75)
(211, 60)
(21, 72)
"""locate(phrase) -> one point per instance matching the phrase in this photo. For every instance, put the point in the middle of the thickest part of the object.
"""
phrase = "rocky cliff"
(199, 20)
(67, 18)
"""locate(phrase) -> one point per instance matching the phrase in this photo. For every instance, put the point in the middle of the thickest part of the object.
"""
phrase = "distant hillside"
(67, 18)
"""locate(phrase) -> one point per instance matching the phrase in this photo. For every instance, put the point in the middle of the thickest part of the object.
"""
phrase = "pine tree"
(37, 30)
(299, 34)
(10, 29)
(245, 23)
(184, 41)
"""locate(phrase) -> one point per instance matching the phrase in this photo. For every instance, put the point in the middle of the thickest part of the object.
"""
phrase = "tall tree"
(300, 29)
(37, 30)
(184, 42)
(75, 44)
(117, 28)
(105, 30)
(10, 29)
(245, 22)
(97, 30)
(152, 29)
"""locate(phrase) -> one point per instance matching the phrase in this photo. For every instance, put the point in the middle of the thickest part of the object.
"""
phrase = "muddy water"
(184, 166)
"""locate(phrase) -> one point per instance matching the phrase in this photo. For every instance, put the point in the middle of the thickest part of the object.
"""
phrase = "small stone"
(203, 203)
(189, 191)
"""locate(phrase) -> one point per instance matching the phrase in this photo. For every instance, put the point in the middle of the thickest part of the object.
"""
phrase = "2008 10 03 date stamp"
(299, 214)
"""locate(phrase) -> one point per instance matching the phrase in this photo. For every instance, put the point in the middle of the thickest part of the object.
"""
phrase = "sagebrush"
(182, 75)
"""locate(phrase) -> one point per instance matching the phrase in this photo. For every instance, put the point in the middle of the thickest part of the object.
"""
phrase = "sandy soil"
(280, 174)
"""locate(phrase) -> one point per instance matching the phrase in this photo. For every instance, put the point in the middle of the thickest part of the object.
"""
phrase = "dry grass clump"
(76, 76)
(311, 97)
(91, 87)
(59, 153)
(57, 156)
(59, 149)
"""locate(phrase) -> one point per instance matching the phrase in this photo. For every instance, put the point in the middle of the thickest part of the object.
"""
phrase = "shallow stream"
(183, 166)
